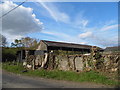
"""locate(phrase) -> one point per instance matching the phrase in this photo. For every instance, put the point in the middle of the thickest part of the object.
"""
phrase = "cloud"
(56, 14)
(110, 27)
(64, 37)
(19, 22)
(58, 34)
(99, 38)
(92, 34)
(11, 38)
(85, 35)
(83, 43)
(80, 21)
(85, 22)
(105, 41)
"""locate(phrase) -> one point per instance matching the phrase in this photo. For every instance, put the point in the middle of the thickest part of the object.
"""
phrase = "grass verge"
(91, 76)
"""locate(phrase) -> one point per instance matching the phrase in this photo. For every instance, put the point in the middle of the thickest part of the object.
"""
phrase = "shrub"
(8, 54)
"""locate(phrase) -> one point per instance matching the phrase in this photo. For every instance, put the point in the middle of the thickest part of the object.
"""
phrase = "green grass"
(91, 76)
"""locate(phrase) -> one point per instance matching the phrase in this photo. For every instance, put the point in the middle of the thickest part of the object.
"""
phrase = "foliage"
(63, 52)
(3, 41)
(9, 54)
(96, 58)
(17, 43)
(29, 42)
(91, 76)
(26, 42)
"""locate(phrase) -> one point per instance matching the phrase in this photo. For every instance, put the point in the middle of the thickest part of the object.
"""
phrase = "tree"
(17, 43)
(12, 44)
(26, 42)
(29, 42)
(3, 41)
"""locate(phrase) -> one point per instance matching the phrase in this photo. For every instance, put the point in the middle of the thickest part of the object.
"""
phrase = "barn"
(52, 45)
(48, 46)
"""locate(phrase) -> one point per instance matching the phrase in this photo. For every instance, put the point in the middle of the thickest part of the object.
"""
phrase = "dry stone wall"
(106, 62)
(83, 62)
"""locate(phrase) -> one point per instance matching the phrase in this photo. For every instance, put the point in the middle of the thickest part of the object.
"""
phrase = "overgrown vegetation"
(25, 42)
(9, 54)
(91, 76)
(64, 52)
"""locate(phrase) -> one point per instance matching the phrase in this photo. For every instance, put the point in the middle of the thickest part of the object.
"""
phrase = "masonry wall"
(106, 62)
(42, 46)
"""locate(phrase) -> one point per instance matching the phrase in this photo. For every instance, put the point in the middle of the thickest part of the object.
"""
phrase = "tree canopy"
(26, 42)
(3, 41)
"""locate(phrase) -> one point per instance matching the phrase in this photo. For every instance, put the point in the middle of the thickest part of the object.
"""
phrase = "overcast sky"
(92, 23)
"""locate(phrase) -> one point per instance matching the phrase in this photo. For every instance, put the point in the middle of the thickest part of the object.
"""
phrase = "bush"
(8, 54)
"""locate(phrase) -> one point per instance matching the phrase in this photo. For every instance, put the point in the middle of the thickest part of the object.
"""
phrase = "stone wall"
(106, 62)
(83, 62)
(111, 62)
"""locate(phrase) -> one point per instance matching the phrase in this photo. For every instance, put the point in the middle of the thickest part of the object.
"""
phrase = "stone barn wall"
(81, 62)
(106, 62)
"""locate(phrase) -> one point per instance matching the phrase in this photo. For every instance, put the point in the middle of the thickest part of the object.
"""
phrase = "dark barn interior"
(21, 54)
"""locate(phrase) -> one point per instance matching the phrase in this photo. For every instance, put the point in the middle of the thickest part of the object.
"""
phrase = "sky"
(90, 23)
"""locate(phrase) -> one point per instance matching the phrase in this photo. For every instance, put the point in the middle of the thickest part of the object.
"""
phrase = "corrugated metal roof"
(68, 45)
